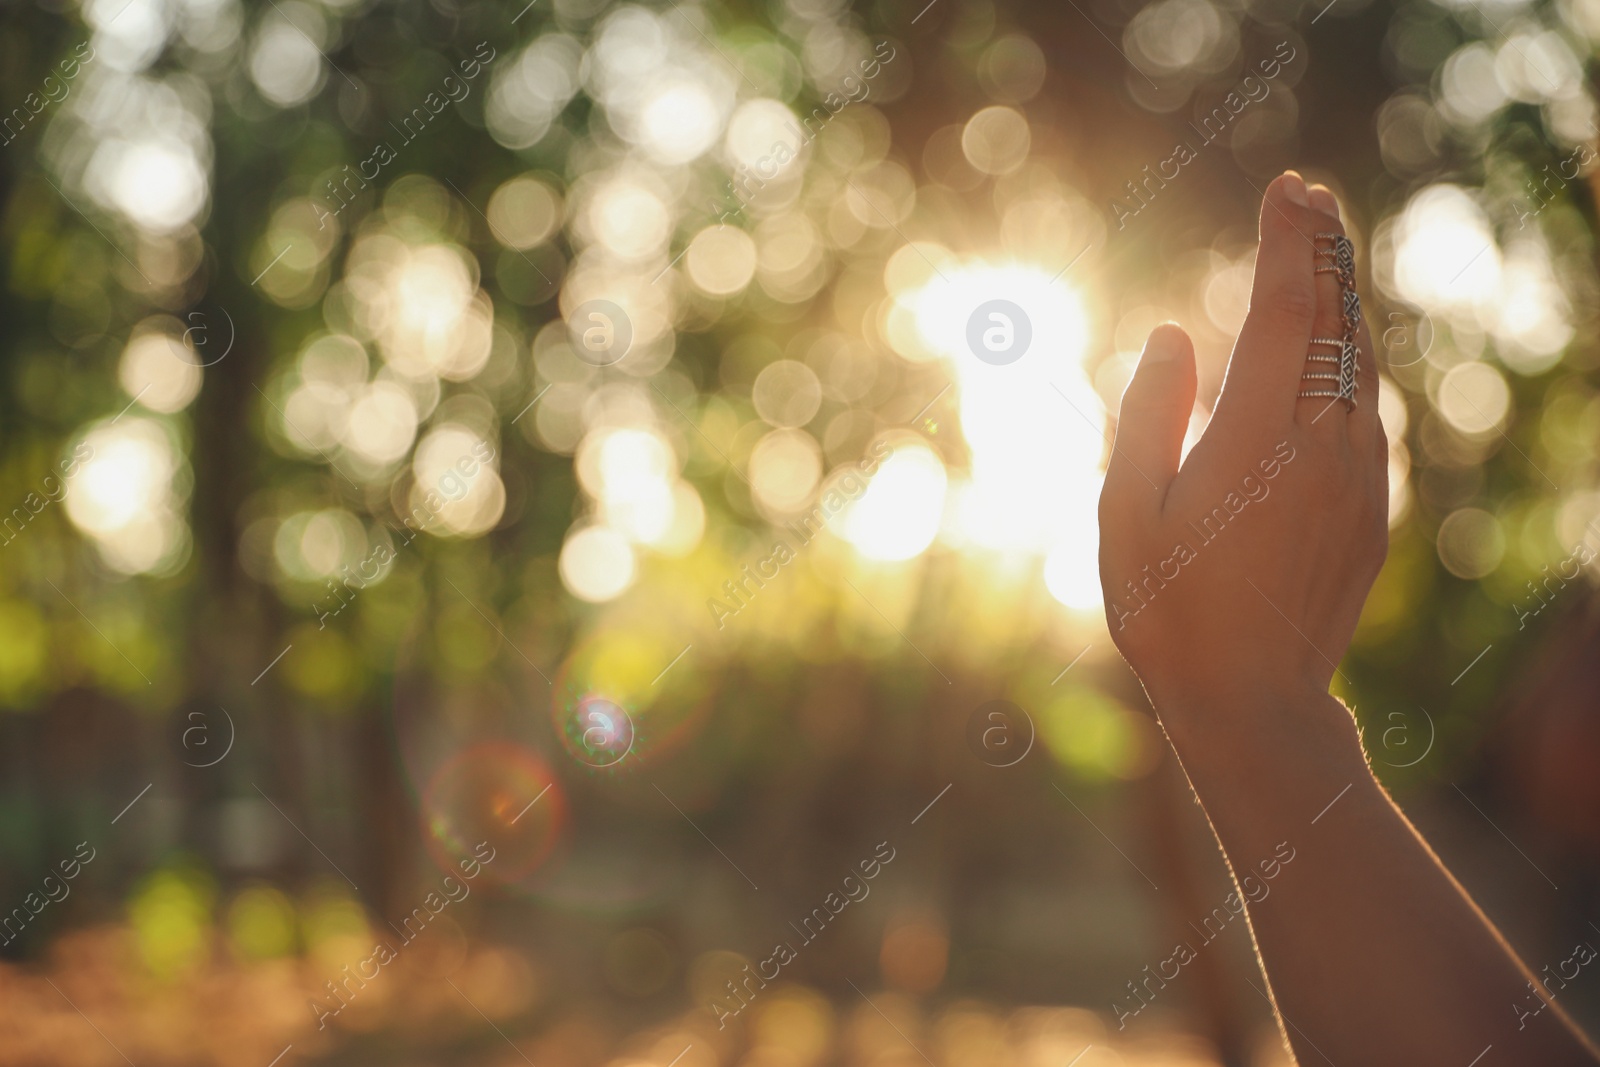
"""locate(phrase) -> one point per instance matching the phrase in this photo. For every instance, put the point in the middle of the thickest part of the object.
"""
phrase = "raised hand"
(1233, 583)
(1255, 555)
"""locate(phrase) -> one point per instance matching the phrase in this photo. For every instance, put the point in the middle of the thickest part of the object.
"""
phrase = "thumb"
(1151, 424)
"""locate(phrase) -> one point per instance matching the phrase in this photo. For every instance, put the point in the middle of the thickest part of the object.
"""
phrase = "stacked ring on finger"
(1338, 381)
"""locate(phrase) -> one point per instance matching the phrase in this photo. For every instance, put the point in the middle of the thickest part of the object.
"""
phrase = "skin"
(1373, 953)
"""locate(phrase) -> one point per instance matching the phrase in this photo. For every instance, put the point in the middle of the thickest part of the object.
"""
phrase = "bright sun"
(1031, 418)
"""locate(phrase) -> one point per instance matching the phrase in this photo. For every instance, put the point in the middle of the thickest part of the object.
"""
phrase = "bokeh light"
(497, 794)
(504, 575)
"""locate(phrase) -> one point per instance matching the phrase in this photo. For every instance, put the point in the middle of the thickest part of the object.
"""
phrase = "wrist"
(1228, 708)
(1271, 744)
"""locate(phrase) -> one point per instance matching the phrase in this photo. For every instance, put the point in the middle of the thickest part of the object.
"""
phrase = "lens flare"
(622, 699)
(497, 793)
(596, 731)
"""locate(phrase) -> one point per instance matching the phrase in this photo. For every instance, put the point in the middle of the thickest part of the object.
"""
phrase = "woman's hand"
(1245, 568)
(1248, 566)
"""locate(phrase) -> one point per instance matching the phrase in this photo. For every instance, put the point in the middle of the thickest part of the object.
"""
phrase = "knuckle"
(1297, 293)
(1324, 222)
(1287, 300)
(1313, 220)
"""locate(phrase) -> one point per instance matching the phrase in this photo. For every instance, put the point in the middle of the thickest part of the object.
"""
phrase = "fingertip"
(1284, 205)
(1167, 343)
(1283, 297)
(1290, 186)
(1166, 370)
(1322, 199)
(1152, 420)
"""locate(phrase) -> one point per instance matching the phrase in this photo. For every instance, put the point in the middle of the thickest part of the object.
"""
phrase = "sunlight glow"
(898, 516)
(1445, 256)
(123, 496)
(456, 481)
(439, 321)
(596, 564)
(1036, 427)
(159, 367)
(680, 122)
(157, 183)
(632, 474)
(629, 219)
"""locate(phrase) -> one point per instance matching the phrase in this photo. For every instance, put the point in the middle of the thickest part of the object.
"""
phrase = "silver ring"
(1339, 260)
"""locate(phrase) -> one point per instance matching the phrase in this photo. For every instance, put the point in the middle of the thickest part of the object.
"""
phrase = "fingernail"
(1323, 200)
(1162, 345)
(1294, 187)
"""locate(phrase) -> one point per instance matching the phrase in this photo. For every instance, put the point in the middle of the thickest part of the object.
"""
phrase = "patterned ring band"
(1352, 309)
(1329, 382)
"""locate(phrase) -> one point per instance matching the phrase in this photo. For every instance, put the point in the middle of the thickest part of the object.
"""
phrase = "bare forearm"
(1374, 953)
